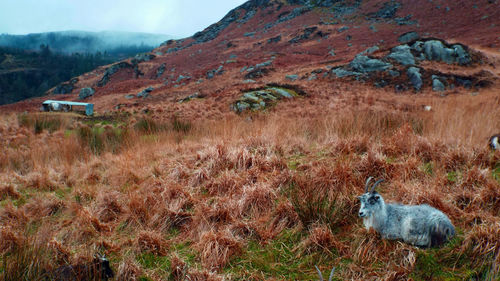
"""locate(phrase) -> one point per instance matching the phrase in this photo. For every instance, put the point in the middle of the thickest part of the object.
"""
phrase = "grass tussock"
(265, 198)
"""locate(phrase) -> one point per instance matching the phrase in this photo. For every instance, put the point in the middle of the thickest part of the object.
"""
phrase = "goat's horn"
(319, 273)
(375, 184)
(367, 182)
(331, 274)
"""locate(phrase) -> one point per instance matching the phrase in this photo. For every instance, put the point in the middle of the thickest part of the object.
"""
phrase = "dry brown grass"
(205, 198)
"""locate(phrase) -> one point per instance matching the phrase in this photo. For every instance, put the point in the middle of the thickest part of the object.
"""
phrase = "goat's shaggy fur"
(419, 225)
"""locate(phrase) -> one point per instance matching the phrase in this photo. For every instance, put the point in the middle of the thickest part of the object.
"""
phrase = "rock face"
(85, 93)
(415, 77)
(365, 64)
(260, 99)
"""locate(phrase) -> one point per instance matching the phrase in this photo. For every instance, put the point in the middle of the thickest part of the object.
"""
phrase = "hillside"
(239, 153)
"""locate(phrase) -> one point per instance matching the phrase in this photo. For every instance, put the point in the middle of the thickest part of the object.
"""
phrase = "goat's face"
(371, 202)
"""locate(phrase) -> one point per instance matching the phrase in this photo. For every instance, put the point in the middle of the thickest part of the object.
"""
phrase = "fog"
(176, 18)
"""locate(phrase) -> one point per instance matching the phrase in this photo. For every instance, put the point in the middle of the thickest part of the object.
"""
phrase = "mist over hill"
(69, 42)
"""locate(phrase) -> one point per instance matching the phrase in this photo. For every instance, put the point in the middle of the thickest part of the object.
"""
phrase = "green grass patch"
(279, 259)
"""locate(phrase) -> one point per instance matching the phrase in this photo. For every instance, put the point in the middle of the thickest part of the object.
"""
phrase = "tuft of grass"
(40, 122)
(99, 139)
(277, 260)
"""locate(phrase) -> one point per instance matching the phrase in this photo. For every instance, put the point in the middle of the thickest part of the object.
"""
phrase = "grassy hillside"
(254, 197)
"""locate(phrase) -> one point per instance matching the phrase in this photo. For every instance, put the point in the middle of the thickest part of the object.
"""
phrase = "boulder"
(437, 85)
(292, 77)
(260, 99)
(415, 77)
(408, 37)
(365, 64)
(437, 51)
(402, 54)
(340, 72)
(145, 93)
(85, 93)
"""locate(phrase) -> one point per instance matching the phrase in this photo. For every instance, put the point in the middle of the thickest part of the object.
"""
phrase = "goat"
(494, 142)
(330, 278)
(98, 269)
(419, 225)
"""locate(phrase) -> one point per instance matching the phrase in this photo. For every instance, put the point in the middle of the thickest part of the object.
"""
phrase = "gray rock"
(371, 50)
(129, 97)
(437, 85)
(435, 50)
(85, 93)
(248, 81)
(160, 70)
(274, 39)
(343, 28)
(402, 55)
(394, 73)
(249, 34)
(462, 57)
(264, 64)
(415, 77)
(365, 64)
(145, 93)
(312, 77)
(232, 56)
(243, 69)
(418, 46)
(332, 52)
(292, 77)
(340, 72)
(408, 37)
(159, 53)
(181, 77)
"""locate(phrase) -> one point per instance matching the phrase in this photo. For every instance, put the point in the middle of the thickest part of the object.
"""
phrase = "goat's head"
(370, 201)
(104, 267)
(494, 142)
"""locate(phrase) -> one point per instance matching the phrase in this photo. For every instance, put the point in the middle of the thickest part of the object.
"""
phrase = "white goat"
(419, 225)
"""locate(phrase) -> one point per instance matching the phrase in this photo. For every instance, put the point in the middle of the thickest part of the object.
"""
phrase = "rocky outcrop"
(402, 54)
(408, 37)
(85, 93)
(65, 88)
(435, 50)
(145, 93)
(263, 98)
(406, 58)
(112, 70)
(160, 70)
(365, 64)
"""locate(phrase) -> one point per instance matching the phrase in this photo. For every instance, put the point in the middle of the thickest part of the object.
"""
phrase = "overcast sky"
(179, 18)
